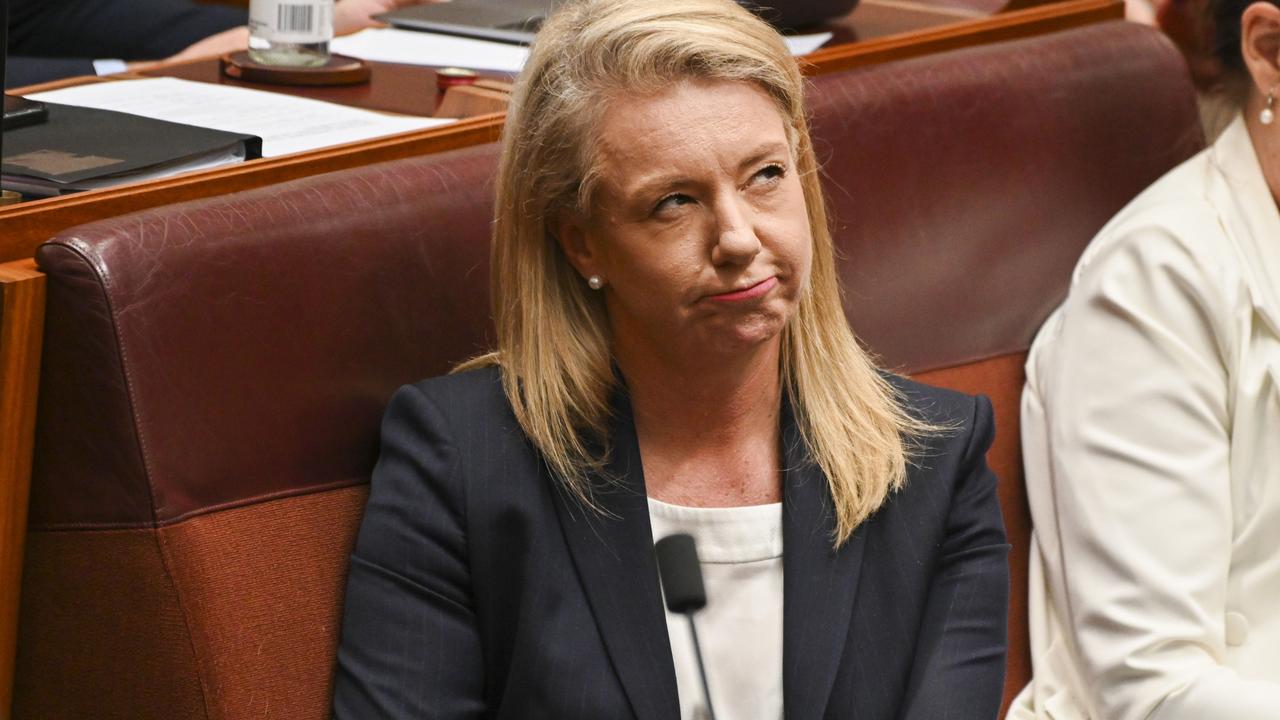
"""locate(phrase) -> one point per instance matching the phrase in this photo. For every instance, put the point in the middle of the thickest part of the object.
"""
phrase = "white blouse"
(740, 629)
(1151, 437)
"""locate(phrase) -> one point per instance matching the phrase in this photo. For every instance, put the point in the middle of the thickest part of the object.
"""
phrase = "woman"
(1150, 425)
(672, 356)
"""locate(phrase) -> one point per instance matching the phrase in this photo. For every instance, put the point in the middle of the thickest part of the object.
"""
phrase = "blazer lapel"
(1250, 215)
(819, 582)
(613, 553)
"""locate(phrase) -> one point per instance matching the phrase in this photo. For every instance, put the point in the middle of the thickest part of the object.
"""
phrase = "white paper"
(805, 44)
(285, 123)
(412, 47)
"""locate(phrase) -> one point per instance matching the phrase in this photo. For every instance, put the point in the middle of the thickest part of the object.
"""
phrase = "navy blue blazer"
(51, 39)
(479, 589)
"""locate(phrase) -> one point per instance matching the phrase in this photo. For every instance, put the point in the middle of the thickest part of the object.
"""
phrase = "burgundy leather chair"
(215, 371)
(962, 189)
(212, 386)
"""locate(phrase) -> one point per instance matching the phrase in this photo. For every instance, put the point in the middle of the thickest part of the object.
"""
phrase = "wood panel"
(965, 33)
(392, 87)
(22, 290)
(24, 226)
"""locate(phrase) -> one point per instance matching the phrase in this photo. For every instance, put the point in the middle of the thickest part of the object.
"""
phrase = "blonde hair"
(553, 342)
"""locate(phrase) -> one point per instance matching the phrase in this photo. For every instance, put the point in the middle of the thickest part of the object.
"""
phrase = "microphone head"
(681, 573)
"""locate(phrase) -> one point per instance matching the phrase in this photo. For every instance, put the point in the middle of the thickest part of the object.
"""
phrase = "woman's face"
(699, 225)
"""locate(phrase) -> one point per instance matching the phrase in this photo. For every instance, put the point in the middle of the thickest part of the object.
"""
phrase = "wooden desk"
(403, 89)
(879, 29)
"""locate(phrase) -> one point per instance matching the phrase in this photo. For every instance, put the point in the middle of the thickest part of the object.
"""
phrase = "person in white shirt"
(1151, 432)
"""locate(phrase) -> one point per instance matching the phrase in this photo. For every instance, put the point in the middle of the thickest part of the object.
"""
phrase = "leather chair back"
(215, 371)
(212, 387)
(962, 189)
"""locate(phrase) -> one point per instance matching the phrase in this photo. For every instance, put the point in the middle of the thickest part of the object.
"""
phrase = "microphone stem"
(702, 668)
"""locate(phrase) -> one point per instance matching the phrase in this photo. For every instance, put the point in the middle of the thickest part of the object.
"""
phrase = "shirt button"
(1237, 629)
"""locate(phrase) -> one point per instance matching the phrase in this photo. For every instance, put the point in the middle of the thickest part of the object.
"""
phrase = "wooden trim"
(28, 224)
(965, 33)
(22, 296)
(961, 13)
(69, 82)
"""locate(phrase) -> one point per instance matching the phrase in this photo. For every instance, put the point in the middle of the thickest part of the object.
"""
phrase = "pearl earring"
(1267, 116)
(595, 282)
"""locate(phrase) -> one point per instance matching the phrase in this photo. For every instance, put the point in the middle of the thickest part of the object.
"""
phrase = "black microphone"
(681, 575)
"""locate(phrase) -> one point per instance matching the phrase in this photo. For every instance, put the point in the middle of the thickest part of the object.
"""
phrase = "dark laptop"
(516, 21)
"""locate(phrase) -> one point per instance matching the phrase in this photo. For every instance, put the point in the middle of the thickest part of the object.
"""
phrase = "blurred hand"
(227, 41)
(348, 17)
(1140, 11)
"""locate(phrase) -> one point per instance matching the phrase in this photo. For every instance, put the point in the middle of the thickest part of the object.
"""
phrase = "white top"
(740, 629)
(1151, 437)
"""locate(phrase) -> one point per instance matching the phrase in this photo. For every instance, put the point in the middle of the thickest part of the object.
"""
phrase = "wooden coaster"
(340, 70)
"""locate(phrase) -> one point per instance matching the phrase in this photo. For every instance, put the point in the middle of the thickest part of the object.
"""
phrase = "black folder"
(80, 148)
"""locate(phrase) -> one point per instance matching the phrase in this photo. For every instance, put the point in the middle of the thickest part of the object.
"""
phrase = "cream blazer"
(1151, 433)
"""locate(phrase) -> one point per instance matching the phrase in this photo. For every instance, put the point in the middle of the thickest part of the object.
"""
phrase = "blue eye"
(672, 200)
(770, 172)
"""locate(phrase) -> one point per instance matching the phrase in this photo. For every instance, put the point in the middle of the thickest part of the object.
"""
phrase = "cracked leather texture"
(242, 348)
(964, 186)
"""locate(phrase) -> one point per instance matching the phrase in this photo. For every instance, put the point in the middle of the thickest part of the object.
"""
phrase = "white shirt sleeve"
(1133, 378)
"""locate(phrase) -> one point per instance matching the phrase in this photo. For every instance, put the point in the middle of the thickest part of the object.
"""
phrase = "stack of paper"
(79, 148)
(410, 47)
(285, 123)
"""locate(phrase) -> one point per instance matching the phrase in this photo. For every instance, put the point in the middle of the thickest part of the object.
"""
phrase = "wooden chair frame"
(22, 295)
